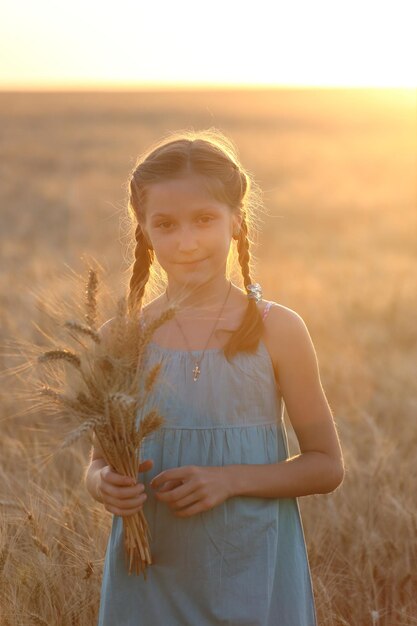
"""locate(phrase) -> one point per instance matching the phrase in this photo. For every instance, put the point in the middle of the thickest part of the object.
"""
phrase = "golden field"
(337, 244)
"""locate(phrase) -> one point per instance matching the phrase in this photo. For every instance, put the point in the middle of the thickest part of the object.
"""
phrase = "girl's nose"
(187, 241)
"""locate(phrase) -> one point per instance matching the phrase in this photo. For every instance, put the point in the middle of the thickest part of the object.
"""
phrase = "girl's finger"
(178, 493)
(184, 502)
(123, 512)
(170, 484)
(112, 477)
(125, 505)
(124, 492)
(189, 511)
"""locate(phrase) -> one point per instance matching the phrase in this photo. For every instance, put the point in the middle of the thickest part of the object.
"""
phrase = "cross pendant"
(196, 372)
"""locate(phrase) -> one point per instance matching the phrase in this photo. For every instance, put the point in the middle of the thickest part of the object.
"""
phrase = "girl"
(219, 490)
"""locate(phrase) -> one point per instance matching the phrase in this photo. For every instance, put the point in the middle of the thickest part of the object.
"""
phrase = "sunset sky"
(129, 44)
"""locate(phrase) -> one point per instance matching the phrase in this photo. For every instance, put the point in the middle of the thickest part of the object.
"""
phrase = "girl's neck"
(209, 295)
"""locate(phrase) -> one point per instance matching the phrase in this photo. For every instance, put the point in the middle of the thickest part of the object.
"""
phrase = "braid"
(144, 256)
(243, 251)
(246, 337)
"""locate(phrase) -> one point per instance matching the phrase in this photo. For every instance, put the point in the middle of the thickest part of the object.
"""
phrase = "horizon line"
(158, 85)
(149, 87)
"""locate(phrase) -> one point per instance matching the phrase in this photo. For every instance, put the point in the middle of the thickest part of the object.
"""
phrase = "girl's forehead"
(179, 194)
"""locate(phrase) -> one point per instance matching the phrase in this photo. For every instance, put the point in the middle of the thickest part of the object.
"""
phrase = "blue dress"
(243, 563)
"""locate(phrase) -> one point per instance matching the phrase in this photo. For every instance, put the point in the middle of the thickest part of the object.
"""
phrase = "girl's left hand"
(192, 489)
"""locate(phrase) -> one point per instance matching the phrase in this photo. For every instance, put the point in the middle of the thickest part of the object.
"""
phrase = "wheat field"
(337, 244)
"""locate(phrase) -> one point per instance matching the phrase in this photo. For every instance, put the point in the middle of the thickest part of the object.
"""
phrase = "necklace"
(196, 368)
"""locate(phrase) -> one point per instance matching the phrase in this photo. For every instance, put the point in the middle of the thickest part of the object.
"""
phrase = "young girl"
(219, 490)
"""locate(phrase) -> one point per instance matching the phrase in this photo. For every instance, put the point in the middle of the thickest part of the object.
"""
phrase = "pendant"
(196, 371)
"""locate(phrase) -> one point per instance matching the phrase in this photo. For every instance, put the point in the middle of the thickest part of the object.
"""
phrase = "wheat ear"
(91, 299)
(60, 354)
(83, 329)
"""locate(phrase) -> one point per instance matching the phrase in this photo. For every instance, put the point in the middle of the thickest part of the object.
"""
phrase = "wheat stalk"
(40, 544)
(152, 376)
(85, 427)
(91, 301)
(152, 421)
(81, 328)
(110, 395)
(60, 355)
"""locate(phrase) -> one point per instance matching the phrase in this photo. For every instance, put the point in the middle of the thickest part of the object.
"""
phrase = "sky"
(134, 44)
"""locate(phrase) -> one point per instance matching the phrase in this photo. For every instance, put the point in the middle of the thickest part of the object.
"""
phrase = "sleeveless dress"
(242, 563)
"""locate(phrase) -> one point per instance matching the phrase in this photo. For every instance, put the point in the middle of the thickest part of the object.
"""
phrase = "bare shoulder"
(280, 319)
(288, 339)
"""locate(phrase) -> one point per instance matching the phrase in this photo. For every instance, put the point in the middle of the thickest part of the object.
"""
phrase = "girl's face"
(189, 230)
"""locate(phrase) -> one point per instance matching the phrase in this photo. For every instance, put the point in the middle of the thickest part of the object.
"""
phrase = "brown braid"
(246, 337)
(243, 250)
(144, 256)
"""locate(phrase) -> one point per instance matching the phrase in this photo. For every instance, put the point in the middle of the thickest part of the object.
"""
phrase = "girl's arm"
(319, 468)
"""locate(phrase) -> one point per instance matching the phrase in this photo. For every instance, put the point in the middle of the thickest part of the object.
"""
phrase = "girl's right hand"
(118, 494)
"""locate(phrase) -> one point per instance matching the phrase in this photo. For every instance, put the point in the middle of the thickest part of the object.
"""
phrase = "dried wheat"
(114, 395)
(85, 330)
(91, 301)
(60, 354)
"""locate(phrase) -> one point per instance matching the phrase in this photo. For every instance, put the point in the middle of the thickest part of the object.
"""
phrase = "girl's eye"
(205, 219)
(162, 224)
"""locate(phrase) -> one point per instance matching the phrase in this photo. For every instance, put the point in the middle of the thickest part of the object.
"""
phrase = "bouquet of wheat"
(108, 395)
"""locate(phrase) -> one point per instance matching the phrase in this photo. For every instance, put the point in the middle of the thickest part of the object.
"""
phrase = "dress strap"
(266, 309)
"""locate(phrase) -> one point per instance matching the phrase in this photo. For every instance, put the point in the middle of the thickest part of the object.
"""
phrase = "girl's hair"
(211, 154)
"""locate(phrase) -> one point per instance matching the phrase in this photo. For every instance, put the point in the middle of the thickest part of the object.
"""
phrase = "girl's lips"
(192, 262)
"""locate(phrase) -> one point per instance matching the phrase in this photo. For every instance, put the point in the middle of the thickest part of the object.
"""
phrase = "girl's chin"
(189, 270)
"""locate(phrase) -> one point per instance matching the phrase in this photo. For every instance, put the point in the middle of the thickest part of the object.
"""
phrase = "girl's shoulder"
(281, 324)
(279, 313)
(265, 307)
(286, 337)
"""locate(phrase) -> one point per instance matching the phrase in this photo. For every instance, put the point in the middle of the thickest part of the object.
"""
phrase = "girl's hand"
(192, 489)
(120, 494)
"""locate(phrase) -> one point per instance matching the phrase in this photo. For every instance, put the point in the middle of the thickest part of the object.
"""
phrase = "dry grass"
(338, 246)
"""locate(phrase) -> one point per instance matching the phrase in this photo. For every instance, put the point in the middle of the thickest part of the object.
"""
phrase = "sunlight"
(90, 45)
